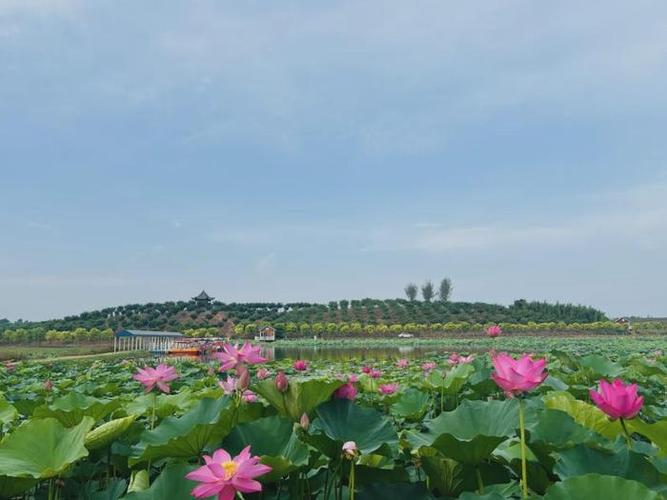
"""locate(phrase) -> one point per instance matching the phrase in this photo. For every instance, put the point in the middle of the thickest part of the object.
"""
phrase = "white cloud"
(637, 216)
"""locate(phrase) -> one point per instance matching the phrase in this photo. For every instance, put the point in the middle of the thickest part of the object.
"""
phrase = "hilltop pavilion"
(203, 298)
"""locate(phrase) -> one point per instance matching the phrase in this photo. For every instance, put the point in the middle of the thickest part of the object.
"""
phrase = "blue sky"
(318, 150)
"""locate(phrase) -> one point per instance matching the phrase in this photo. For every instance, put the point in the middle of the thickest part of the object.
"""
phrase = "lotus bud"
(244, 377)
(493, 331)
(304, 422)
(350, 450)
(300, 365)
(281, 382)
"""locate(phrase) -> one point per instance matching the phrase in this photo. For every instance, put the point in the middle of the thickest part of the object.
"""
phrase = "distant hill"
(187, 315)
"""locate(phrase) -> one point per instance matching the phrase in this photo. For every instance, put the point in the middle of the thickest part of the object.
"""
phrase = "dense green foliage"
(445, 433)
(187, 315)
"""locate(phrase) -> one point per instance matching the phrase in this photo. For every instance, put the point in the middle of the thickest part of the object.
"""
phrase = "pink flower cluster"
(233, 357)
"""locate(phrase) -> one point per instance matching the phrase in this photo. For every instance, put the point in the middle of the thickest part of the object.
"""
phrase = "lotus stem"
(442, 399)
(480, 483)
(628, 438)
(351, 483)
(524, 467)
(153, 411)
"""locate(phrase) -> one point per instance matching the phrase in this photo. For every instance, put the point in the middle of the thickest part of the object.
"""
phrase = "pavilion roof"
(203, 296)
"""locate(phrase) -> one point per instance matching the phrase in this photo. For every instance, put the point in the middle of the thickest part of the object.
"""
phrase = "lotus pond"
(385, 427)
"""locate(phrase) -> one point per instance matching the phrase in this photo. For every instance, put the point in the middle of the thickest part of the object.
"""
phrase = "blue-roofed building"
(144, 340)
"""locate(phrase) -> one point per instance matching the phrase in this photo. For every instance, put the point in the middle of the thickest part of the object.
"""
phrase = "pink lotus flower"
(160, 376)
(231, 356)
(229, 385)
(249, 396)
(402, 363)
(350, 449)
(300, 365)
(429, 366)
(388, 389)
(456, 359)
(617, 399)
(518, 375)
(366, 369)
(281, 382)
(353, 378)
(9, 366)
(48, 385)
(493, 331)
(375, 373)
(262, 373)
(224, 476)
(346, 391)
(251, 354)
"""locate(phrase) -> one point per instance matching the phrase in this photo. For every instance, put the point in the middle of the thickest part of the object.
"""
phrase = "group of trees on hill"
(428, 290)
(36, 335)
(182, 316)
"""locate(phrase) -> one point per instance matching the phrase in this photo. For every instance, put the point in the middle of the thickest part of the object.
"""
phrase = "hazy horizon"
(315, 152)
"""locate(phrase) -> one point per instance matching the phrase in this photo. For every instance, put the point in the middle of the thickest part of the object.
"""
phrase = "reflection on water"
(339, 353)
(342, 353)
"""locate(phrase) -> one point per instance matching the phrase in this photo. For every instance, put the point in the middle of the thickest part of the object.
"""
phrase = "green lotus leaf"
(107, 432)
(456, 378)
(273, 439)
(12, 486)
(411, 405)
(187, 436)
(139, 481)
(302, 396)
(43, 448)
(556, 429)
(600, 366)
(583, 413)
(471, 432)
(170, 484)
(394, 491)
(341, 420)
(621, 462)
(656, 432)
(73, 407)
(444, 473)
(112, 490)
(167, 404)
(453, 381)
(590, 486)
(8, 412)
